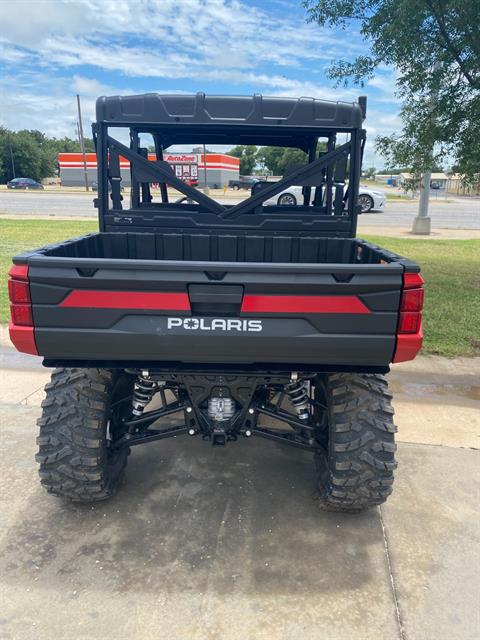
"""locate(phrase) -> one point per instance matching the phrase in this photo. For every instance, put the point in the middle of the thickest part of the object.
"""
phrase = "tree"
(370, 173)
(30, 157)
(248, 157)
(277, 159)
(435, 47)
(67, 145)
(34, 154)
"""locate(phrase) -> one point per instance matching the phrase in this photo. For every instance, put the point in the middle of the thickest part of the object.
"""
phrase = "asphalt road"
(227, 543)
(456, 213)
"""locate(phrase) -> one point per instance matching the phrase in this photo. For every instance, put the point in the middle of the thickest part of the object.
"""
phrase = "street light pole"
(422, 223)
(82, 142)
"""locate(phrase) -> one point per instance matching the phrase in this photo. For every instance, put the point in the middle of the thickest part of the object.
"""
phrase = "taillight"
(412, 300)
(21, 326)
(22, 314)
(409, 332)
(410, 322)
(18, 286)
(19, 292)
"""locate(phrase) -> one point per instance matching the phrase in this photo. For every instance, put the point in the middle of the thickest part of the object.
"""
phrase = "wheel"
(355, 458)
(236, 187)
(366, 202)
(287, 199)
(80, 422)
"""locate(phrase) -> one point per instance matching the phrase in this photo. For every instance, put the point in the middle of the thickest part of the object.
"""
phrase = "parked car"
(242, 183)
(24, 183)
(371, 200)
(368, 199)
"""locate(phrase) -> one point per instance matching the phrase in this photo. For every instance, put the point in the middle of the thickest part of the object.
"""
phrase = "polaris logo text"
(214, 324)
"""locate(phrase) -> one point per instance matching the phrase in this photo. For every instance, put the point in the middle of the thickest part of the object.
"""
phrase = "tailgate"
(101, 310)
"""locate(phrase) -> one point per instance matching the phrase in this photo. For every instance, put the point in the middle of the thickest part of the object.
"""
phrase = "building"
(385, 177)
(437, 179)
(457, 186)
(220, 168)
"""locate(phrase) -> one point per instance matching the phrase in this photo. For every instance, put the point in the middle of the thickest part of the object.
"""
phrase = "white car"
(368, 199)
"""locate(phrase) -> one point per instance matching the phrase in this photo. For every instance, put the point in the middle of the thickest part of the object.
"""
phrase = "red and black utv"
(221, 321)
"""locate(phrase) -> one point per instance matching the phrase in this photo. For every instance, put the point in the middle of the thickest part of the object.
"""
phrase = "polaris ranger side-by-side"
(220, 321)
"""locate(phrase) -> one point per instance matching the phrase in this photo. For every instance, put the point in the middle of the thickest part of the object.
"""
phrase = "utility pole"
(11, 155)
(82, 142)
(206, 190)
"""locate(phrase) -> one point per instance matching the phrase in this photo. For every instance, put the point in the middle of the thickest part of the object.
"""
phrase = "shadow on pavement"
(191, 518)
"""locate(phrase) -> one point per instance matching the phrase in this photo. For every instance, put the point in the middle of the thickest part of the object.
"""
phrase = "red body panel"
(302, 304)
(81, 298)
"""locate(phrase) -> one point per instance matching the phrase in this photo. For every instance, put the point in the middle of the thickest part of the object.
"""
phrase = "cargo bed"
(184, 299)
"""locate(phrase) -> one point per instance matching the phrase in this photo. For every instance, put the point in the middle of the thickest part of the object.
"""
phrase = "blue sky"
(50, 50)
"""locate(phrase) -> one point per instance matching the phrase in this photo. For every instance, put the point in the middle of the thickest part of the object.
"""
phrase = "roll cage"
(286, 122)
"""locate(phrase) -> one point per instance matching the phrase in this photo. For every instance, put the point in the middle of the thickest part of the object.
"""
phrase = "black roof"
(256, 119)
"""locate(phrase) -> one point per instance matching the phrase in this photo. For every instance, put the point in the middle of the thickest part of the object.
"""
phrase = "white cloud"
(29, 22)
(385, 82)
(378, 123)
(90, 86)
(175, 36)
(59, 47)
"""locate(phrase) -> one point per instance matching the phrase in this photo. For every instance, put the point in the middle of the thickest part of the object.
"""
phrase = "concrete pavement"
(227, 544)
(455, 213)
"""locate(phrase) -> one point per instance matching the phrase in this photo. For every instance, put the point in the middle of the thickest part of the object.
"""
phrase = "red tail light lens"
(412, 281)
(410, 322)
(409, 332)
(22, 314)
(19, 272)
(22, 332)
(19, 292)
(412, 300)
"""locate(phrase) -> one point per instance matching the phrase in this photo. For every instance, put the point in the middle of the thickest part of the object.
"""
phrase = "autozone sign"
(179, 158)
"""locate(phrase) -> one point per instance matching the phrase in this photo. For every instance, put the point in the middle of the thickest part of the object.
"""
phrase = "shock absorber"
(143, 391)
(297, 391)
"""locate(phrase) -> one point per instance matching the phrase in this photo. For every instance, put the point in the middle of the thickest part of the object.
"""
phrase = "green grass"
(20, 235)
(396, 198)
(451, 269)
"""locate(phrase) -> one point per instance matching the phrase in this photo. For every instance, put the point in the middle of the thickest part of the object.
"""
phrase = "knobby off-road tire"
(355, 469)
(76, 433)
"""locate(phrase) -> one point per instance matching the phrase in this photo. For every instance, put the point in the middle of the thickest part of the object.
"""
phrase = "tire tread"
(72, 446)
(356, 472)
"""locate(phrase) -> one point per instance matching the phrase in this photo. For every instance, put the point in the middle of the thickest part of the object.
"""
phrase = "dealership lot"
(456, 213)
(227, 543)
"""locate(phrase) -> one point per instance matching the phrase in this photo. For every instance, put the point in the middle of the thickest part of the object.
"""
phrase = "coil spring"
(143, 391)
(298, 394)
